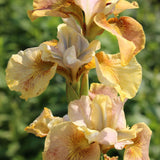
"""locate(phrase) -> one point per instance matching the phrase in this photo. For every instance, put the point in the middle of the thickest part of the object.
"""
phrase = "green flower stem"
(72, 90)
(84, 84)
(101, 157)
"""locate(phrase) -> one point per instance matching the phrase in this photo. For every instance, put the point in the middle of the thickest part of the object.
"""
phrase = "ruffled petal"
(125, 79)
(98, 88)
(40, 126)
(123, 5)
(110, 158)
(129, 33)
(65, 141)
(48, 8)
(80, 110)
(75, 50)
(107, 137)
(28, 73)
(140, 149)
(55, 8)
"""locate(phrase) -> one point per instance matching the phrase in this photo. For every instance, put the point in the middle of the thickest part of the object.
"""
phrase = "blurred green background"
(17, 32)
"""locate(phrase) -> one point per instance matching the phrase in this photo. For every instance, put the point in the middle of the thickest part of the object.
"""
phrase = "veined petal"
(101, 112)
(123, 5)
(90, 8)
(48, 8)
(139, 150)
(40, 127)
(28, 73)
(68, 37)
(75, 49)
(110, 72)
(66, 142)
(72, 23)
(129, 33)
(98, 88)
(55, 8)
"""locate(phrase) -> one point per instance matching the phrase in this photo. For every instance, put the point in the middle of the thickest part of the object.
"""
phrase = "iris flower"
(30, 71)
(129, 32)
(95, 124)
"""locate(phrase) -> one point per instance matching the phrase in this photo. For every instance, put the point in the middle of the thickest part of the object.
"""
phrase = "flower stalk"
(95, 122)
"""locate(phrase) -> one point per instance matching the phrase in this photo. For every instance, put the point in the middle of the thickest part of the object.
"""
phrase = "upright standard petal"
(139, 150)
(72, 51)
(129, 33)
(28, 73)
(79, 111)
(125, 79)
(90, 8)
(66, 142)
(119, 121)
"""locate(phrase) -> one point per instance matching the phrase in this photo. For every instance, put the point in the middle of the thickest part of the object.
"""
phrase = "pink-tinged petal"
(107, 137)
(48, 8)
(90, 8)
(40, 126)
(80, 110)
(123, 5)
(140, 149)
(66, 142)
(129, 33)
(28, 73)
(97, 88)
(55, 8)
(120, 145)
(111, 73)
(119, 121)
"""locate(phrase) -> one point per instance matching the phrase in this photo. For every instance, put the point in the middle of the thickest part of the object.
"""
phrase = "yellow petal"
(28, 73)
(66, 142)
(101, 115)
(125, 79)
(129, 33)
(110, 158)
(123, 5)
(40, 127)
(139, 150)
